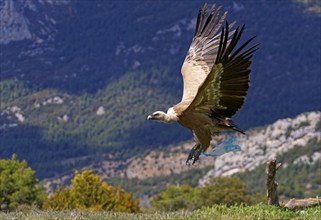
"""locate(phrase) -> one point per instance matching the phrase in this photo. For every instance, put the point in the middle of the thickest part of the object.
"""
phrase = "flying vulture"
(216, 79)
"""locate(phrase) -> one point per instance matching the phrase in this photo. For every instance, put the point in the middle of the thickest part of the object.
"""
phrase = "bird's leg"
(197, 154)
(191, 154)
(194, 153)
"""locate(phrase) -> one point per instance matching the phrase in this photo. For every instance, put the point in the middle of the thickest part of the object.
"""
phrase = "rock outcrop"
(258, 146)
(262, 144)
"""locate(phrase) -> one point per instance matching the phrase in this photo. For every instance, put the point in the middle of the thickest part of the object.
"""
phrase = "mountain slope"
(267, 143)
(65, 126)
(83, 75)
(296, 143)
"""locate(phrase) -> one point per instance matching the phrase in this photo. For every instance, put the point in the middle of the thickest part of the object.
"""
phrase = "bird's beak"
(150, 117)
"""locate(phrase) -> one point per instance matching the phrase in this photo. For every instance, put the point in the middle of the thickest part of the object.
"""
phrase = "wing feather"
(203, 50)
(223, 91)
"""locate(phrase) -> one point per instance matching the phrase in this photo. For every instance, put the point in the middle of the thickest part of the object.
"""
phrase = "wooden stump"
(271, 184)
(272, 192)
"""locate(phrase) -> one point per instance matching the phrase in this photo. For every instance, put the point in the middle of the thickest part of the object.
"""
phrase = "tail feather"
(235, 128)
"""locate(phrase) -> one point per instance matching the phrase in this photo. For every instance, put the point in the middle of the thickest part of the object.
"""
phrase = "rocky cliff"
(262, 144)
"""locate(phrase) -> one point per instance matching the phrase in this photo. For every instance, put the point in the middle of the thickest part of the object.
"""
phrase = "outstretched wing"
(202, 53)
(222, 92)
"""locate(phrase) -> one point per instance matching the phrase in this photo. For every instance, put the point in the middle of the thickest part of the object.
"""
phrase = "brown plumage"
(216, 79)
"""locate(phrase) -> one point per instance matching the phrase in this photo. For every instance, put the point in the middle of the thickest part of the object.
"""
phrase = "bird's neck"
(171, 116)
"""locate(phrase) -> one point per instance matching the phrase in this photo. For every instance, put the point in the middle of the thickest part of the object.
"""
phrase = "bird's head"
(157, 116)
(160, 116)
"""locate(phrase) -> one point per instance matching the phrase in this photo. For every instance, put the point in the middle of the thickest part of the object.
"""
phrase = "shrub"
(18, 186)
(222, 190)
(88, 192)
(219, 190)
(177, 197)
(60, 200)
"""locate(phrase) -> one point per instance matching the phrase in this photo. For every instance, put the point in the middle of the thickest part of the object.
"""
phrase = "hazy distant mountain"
(79, 77)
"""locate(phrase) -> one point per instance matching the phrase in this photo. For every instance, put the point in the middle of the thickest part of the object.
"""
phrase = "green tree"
(11, 90)
(89, 192)
(177, 197)
(18, 186)
(223, 190)
(219, 190)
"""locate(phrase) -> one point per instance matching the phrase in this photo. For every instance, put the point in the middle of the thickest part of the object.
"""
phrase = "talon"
(194, 153)
(197, 154)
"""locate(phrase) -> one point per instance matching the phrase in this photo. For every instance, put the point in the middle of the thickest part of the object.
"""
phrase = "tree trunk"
(272, 194)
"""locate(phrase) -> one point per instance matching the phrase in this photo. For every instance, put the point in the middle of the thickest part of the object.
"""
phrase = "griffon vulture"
(215, 77)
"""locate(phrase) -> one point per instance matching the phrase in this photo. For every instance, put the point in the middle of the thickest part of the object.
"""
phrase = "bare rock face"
(265, 143)
(100, 111)
(316, 156)
(17, 23)
(163, 163)
(14, 26)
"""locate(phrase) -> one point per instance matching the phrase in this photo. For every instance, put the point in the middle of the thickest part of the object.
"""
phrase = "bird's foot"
(194, 154)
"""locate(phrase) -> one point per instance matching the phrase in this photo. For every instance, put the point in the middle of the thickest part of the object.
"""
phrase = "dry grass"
(215, 212)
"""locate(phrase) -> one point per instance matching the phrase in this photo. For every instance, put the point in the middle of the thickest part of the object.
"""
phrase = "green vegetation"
(220, 190)
(18, 186)
(227, 190)
(215, 212)
(91, 198)
(88, 192)
(19, 190)
(295, 180)
(96, 69)
(176, 198)
(10, 90)
(54, 131)
(152, 186)
(70, 135)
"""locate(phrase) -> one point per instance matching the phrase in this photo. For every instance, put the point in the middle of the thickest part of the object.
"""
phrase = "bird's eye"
(156, 114)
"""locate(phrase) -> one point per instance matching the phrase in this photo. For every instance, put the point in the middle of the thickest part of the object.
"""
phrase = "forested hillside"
(54, 125)
(78, 78)
(294, 142)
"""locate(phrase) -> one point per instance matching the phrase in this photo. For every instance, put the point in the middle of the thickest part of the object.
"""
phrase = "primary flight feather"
(216, 79)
